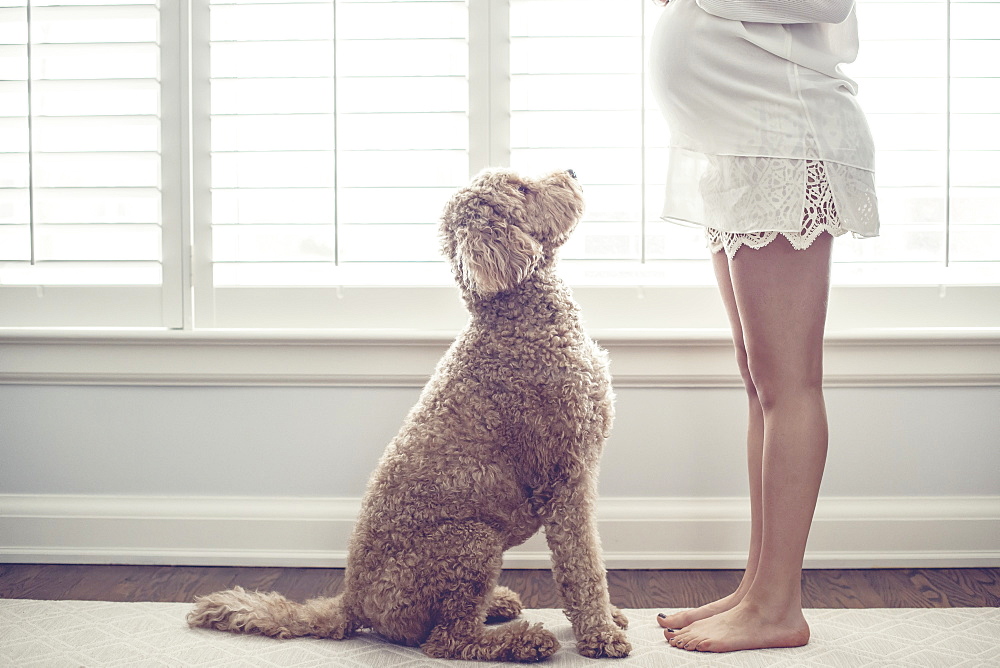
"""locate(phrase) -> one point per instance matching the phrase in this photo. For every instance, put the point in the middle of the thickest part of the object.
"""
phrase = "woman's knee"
(784, 384)
(778, 375)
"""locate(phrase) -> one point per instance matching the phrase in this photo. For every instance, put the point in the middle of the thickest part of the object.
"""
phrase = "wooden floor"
(890, 588)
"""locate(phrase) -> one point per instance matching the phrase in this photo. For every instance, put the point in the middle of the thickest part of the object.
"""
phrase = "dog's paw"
(607, 644)
(534, 644)
(513, 642)
(620, 619)
(503, 605)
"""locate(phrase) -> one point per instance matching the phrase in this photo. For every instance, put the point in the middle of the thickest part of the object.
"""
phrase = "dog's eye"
(523, 189)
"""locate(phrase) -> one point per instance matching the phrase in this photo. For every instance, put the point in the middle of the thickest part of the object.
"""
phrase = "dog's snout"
(571, 173)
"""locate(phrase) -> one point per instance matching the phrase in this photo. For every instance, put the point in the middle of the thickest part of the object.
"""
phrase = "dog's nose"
(571, 173)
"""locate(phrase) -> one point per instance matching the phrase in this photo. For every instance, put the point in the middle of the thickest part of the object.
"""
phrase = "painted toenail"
(673, 630)
(662, 616)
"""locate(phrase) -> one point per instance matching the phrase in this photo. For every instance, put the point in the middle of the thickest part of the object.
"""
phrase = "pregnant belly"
(695, 58)
(715, 88)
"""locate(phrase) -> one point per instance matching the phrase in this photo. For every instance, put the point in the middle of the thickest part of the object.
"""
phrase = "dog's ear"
(494, 254)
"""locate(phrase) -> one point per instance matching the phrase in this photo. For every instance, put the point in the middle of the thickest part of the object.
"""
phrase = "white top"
(782, 11)
(739, 79)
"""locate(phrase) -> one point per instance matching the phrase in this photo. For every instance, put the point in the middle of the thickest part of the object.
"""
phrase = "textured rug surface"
(95, 634)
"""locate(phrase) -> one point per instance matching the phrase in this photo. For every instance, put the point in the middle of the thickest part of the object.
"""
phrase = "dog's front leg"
(571, 531)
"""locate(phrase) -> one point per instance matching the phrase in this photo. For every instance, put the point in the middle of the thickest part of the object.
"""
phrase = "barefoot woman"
(772, 155)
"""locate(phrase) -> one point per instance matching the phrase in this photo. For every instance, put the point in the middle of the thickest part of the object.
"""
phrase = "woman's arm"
(780, 11)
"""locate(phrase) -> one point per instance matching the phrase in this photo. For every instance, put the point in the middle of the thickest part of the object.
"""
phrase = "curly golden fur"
(504, 440)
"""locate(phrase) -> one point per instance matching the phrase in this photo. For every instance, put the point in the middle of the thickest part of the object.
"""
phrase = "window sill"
(641, 357)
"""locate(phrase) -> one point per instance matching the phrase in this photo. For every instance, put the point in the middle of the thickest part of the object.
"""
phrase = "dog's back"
(498, 424)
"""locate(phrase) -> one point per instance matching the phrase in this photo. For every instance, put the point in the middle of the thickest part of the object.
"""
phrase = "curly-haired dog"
(505, 439)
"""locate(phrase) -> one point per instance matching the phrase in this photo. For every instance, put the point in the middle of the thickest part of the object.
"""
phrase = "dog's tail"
(271, 614)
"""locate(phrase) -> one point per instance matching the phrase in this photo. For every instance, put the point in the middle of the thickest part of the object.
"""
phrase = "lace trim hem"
(730, 242)
(819, 216)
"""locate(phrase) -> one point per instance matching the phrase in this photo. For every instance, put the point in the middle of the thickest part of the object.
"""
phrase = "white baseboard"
(848, 532)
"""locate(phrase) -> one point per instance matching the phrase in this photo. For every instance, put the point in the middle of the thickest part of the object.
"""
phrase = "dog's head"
(497, 230)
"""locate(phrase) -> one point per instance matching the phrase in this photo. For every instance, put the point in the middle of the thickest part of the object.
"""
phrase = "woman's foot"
(742, 627)
(680, 620)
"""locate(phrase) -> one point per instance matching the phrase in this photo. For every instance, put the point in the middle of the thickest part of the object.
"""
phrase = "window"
(83, 194)
(231, 174)
(930, 85)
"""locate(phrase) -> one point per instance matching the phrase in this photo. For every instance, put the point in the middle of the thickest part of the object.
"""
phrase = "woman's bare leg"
(755, 453)
(781, 297)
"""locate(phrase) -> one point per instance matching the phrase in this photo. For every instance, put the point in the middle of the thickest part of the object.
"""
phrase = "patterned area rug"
(95, 634)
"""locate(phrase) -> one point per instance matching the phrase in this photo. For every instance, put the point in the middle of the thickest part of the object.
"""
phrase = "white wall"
(264, 474)
(324, 442)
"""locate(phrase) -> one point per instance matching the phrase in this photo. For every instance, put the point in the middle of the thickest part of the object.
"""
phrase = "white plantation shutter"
(929, 76)
(80, 163)
(310, 144)
(339, 129)
(974, 135)
(15, 241)
(576, 101)
(579, 99)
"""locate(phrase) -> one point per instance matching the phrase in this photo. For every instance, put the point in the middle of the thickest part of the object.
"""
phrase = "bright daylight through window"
(305, 144)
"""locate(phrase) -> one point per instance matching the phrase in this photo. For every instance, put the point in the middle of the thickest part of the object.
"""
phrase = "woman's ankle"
(773, 606)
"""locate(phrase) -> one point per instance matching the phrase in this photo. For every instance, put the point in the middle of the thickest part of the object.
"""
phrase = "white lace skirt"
(749, 201)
